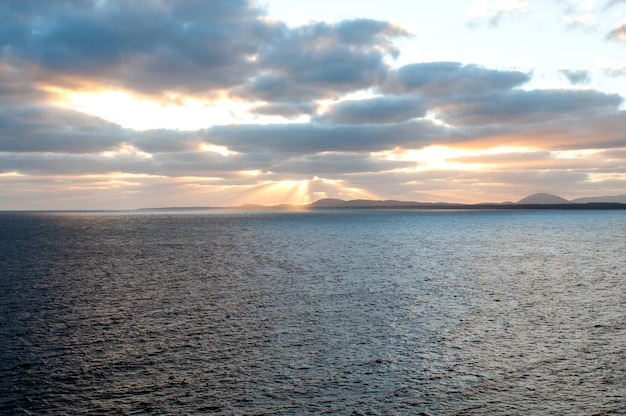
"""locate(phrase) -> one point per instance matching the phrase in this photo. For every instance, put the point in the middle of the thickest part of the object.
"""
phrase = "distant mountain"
(535, 201)
(549, 199)
(621, 199)
(327, 203)
(542, 199)
(368, 203)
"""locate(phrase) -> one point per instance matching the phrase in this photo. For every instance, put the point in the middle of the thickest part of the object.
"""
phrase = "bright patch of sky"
(122, 104)
(545, 38)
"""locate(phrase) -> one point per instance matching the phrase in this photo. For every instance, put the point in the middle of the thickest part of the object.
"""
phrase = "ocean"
(317, 312)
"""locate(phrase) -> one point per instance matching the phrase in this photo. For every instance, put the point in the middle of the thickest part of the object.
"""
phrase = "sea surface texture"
(337, 312)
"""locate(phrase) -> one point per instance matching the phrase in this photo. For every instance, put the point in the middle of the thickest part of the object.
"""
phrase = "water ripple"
(366, 312)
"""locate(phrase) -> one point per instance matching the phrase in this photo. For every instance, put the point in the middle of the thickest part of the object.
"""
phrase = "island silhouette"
(534, 201)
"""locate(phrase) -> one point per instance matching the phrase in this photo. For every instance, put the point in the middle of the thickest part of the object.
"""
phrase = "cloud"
(379, 110)
(582, 20)
(286, 110)
(451, 185)
(195, 48)
(187, 46)
(231, 53)
(576, 77)
(541, 160)
(322, 61)
(521, 106)
(196, 164)
(454, 78)
(615, 71)
(506, 158)
(615, 154)
(494, 10)
(571, 131)
(312, 138)
(618, 34)
(612, 3)
(181, 164)
(44, 139)
(337, 163)
(167, 141)
(579, 14)
(17, 83)
(49, 129)
(614, 68)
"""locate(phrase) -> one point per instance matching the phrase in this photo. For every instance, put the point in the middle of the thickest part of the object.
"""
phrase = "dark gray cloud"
(187, 46)
(167, 141)
(72, 143)
(194, 47)
(576, 77)
(379, 110)
(454, 78)
(195, 164)
(275, 87)
(323, 60)
(56, 163)
(599, 131)
(49, 129)
(337, 163)
(332, 54)
(287, 110)
(311, 138)
(560, 132)
(200, 164)
(521, 106)
(18, 83)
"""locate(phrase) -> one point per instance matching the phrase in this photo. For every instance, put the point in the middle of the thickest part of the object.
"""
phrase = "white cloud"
(493, 10)
(587, 19)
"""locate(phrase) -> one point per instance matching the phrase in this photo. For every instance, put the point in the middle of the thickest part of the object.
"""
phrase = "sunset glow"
(316, 100)
(145, 113)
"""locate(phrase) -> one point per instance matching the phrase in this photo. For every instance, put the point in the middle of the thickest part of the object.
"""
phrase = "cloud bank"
(350, 122)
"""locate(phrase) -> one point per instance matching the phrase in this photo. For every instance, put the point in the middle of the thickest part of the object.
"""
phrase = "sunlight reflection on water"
(310, 312)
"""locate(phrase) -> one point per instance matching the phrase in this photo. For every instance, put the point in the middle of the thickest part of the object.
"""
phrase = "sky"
(118, 104)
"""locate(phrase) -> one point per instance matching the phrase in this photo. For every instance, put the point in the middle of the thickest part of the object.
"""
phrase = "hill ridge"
(535, 201)
(543, 198)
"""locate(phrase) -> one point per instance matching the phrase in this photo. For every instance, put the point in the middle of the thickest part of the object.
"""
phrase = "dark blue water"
(339, 312)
